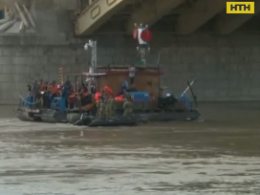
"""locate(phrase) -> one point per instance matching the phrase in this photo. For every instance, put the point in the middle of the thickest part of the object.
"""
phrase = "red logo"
(146, 35)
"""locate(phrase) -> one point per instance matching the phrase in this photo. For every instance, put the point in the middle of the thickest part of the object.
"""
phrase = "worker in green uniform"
(101, 108)
(110, 107)
(128, 106)
(106, 105)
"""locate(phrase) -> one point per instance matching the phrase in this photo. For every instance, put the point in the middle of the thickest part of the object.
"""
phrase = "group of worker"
(106, 107)
(42, 93)
(38, 92)
(105, 101)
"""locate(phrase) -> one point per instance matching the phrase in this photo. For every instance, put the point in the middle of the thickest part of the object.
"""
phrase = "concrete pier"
(226, 68)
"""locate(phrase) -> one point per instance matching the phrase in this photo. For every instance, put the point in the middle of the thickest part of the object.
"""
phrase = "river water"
(219, 154)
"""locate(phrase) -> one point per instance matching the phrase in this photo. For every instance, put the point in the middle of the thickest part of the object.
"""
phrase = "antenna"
(93, 46)
(93, 66)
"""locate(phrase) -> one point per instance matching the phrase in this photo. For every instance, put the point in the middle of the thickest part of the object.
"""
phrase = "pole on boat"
(189, 86)
(61, 75)
(93, 45)
(144, 36)
(93, 66)
(94, 56)
(158, 68)
(90, 79)
(193, 95)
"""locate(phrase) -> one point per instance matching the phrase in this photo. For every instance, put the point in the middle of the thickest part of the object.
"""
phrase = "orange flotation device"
(119, 98)
(108, 90)
(97, 95)
(53, 89)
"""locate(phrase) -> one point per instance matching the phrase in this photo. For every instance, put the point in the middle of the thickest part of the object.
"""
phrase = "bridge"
(186, 16)
(196, 39)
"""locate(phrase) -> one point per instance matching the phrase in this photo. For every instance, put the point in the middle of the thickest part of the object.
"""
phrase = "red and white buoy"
(142, 34)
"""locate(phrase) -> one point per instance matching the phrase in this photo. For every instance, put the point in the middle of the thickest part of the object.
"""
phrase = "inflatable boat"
(29, 110)
(26, 114)
(38, 115)
(117, 121)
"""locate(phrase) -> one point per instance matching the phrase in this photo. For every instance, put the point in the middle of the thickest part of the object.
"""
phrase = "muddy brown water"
(219, 154)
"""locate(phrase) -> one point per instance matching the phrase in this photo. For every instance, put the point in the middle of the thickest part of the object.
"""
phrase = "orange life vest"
(119, 98)
(97, 95)
(108, 90)
(53, 89)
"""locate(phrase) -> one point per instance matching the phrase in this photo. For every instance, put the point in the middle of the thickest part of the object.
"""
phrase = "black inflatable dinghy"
(122, 121)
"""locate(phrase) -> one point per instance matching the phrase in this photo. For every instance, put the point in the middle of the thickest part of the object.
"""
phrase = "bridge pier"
(226, 67)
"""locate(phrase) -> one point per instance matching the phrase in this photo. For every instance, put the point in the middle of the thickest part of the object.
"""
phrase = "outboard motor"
(167, 103)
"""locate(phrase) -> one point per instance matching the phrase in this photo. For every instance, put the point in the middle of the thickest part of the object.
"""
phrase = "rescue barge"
(149, 102)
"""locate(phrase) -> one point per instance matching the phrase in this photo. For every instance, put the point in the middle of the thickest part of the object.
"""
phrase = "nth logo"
(240, 7)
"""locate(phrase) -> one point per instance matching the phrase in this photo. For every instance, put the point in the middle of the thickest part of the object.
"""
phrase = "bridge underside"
(179, 16)
(151, 11)
(96, 14)
(228, 23)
